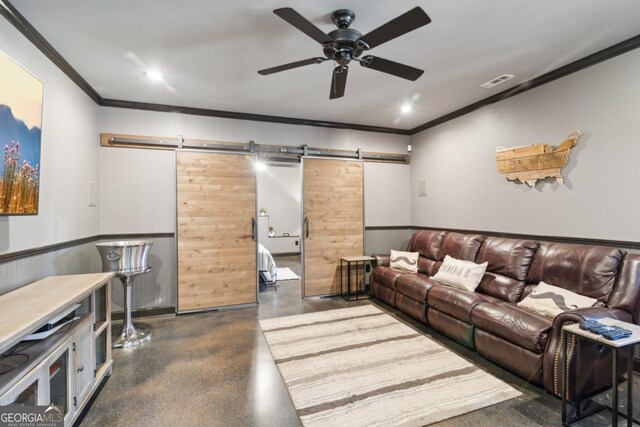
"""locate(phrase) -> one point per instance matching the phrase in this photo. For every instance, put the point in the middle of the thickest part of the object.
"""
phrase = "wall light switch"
(93, 194)
(422, 187)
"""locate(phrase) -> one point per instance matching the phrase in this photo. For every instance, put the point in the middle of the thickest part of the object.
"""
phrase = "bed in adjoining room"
(267, 268)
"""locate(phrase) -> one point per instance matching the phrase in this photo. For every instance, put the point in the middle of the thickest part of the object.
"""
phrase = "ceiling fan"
(346, 44)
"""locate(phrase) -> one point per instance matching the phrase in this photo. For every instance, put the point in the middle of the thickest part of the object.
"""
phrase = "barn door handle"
(306, 223)
(253, 228)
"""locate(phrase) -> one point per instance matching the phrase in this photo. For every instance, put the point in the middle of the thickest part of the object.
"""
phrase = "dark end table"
(348, 296)
(625, 344)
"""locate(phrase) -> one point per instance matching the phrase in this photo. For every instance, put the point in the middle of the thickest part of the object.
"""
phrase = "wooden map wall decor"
(534, 162)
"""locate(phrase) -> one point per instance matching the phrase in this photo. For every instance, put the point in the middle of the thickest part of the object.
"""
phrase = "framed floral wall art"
(20, 138)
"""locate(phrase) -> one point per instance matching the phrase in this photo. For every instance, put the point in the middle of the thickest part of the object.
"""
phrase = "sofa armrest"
(597, 362)
(590, 313)
(382, 260)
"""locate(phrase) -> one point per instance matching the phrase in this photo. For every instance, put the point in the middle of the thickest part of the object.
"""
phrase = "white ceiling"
(210, 51)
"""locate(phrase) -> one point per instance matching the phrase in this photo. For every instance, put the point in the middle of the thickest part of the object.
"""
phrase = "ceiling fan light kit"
(345, 44)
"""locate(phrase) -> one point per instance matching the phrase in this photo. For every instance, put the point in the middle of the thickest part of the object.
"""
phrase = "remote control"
(588, 324)
(602, 329)
(616, 334)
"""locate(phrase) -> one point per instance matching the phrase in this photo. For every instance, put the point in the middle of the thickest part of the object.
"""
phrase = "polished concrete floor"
(215, 369)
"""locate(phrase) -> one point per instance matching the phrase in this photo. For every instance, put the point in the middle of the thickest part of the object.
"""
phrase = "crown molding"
(116, 103)
(580, 64)
(20, 22)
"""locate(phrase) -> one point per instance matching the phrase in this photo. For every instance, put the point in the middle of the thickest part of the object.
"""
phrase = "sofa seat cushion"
(387, 276)
(514, 324)
(416, 286)
(455, 302)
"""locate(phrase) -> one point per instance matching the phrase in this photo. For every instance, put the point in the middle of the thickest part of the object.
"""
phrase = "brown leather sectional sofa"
(488, 320)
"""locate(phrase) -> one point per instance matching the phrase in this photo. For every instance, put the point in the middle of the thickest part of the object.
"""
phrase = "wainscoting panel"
(78, 259)
(151, 290)
(156, 288)
(380, 240)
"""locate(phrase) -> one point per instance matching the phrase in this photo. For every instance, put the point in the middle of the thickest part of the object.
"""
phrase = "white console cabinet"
(67, 367)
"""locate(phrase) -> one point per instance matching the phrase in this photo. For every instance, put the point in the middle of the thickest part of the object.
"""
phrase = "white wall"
(146, 173)
(137, 191)
(600, 197)
(387, 198)
(69, 158)
(279, 191)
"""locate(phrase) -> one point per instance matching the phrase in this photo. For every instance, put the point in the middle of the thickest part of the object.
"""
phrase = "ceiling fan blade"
(301, 23)
(291, 65)
(407, 22)
(338, 82)
(391, 67)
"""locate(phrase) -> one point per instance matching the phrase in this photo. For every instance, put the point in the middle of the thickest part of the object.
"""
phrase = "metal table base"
(357, 293)
(579, 414)
(130, 335)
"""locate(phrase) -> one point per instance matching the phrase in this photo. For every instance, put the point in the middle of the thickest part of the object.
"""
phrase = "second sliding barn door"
(333, 220)
(216, 197)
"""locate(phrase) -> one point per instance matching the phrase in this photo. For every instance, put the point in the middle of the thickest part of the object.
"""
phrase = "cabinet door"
(85, 360)
(29, 391)
(60, 370)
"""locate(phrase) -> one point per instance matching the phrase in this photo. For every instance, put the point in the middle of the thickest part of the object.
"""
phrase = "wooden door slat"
(333, 205)
(216, 255)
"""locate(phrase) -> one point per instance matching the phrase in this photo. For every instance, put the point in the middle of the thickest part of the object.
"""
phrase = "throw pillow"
(460, 274)
(552, 300)
(407, 261)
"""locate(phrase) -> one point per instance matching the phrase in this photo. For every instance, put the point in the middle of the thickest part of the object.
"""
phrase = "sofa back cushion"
(464, 247)
(459, 246)
(626, 292)
(585, 270)
(427, 243)
(508, 263)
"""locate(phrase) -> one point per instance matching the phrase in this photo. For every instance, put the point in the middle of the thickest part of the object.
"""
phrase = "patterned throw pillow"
(407, 261)
(552, 300)
(460, 274)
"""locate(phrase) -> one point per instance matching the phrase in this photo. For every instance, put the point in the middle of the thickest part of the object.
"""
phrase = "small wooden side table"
(628, 344)
(353, 260)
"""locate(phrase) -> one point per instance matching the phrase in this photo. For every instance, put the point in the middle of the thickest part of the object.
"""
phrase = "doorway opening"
(279, 188)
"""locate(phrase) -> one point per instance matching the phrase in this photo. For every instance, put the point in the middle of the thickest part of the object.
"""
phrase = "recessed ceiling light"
(260, 166)
(154, 75)
(406, 108)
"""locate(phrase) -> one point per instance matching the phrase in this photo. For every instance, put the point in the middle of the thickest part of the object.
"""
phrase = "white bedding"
(266, 264)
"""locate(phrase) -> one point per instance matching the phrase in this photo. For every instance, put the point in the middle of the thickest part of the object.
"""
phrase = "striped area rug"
(361, 367)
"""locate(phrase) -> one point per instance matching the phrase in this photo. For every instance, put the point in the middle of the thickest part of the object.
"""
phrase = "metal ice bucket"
(125, 257)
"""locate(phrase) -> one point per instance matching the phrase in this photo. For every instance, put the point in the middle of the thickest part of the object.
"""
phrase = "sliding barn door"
(216, 199)
(333, 221)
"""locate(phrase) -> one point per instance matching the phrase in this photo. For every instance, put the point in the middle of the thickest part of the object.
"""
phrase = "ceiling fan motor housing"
(345, 44)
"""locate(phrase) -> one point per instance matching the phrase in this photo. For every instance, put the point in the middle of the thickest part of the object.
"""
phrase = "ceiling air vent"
(495, 82)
